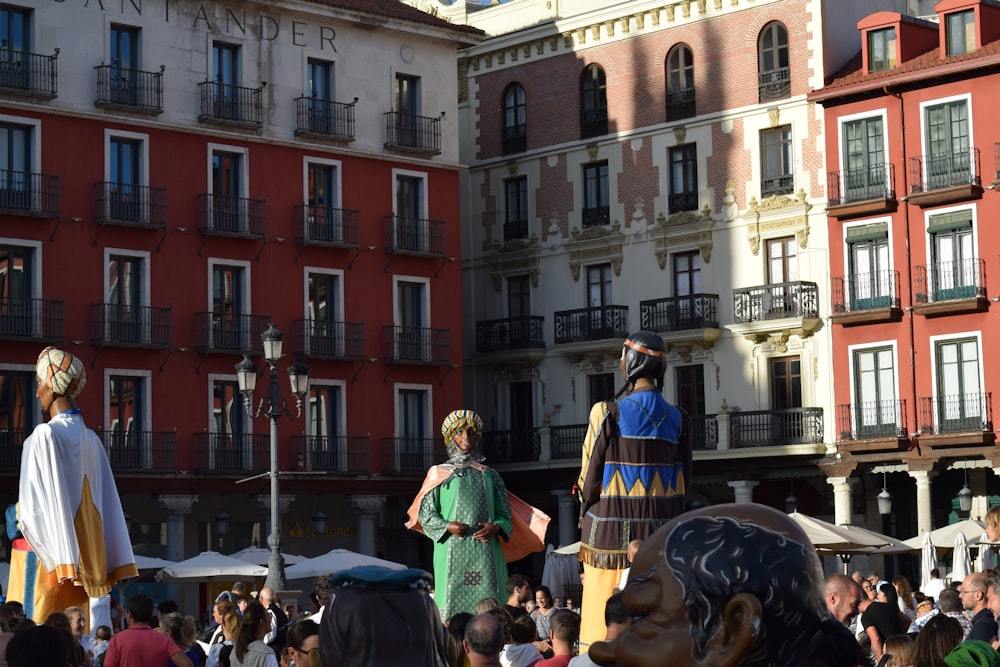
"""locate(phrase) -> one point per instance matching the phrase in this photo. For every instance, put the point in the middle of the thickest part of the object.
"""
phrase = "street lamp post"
(273, 407)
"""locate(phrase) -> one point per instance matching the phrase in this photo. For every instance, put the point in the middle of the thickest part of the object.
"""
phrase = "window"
(19, 414)
(19, 282)
(948, 143)
(776, 161)
(687, 311)
(407, 96)
(230, 304)
(226, 75)
(875, 406)
(773, 75)
(16, 181)
(689, 384)
(954, 270)
(227, 192)
(960, 29)
(881, 50)
(870, 275)
(327, 446)
(601, 316)
(324, 217)
(515, 128)
(230, 444)
(864, 160)
(515, 224)
(15, 40)
(593, 102)
(786, 383)
(412, 227)
(596, 198)
(519, 328)
(325, 307)
(413, 339)
(413, 442)
(320, 96)
(683, 179)
(126, 437)
(123, 80)
(960, 399)
(127, 286)
(782, 269)
(600, 387)
(680, 83)
(123, 192)
(522, 411)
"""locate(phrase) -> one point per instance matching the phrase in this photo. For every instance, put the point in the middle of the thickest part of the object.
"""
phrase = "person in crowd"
(99, 644)
(483, 641)
(38, 646)
(140, 645)
(521, 651)
(974, 599)
(542, 615)
(275, 638)
(634, 474)
(616, 619)
(219, 653)
(557, 603)
(843, 595)
(973, 653)
(250, 649)
(303, 645)
(882, 619)
(992, 521)
(529, 605)
(934, 585)
(486, 604)
(182, 630)
(456, 635)
(950, 605)
(564, 632)
(571, 605)
(633, 549)
(899, 651)
(219, 609)
(59, 620)
(904, 592)
(78, 626)
(938, 638)
(518, 592)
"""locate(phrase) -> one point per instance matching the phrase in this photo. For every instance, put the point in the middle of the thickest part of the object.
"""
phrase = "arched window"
(680, 83)
(593, 102)
(773, 75)
(515, 130)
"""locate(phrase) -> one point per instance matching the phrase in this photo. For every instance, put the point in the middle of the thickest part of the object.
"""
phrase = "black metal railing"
(31, 319)
(231, 104)
(32, 74)
(327, 226)
(128, 204)
(411, 133)
(996, 161)
(417, 236)
(231, 333)
(932, 172)
(566, 442)
(872, 419)
(956, 413)
(410, 456)
(595, 216)
(761, 428)
(682, 201)
(325, 118)
(228, 453)
(25, 193)
(775, 84)
(866, 291)
(704, 432)
(131, 326)
(11, 448)
(853, 185)
(514, 138)
(779, 185)
(680, 313)
(140, 451)
(513, 446)
(680, 104)
(126, 88)
(330, 340)
(593, 123)
(515, 229)
(510, 333)
(596, 323)
(332, 454)
(950, 281)
(232, 216)
(416, 345)
(773, 302)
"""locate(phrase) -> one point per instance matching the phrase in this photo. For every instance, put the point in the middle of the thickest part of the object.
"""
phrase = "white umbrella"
(961, 562)
(569, 549)
(928, 560)
(259, 556)
(944, 537)
(336, 561)
(209, 565)
(839, 539)
(151, 563)
(987, 557)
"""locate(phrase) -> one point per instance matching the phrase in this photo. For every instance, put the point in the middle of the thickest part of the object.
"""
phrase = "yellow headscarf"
(458, 419)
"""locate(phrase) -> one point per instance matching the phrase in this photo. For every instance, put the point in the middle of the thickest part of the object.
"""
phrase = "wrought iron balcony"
(326, 226)
(23, 193)
(567, 441)
(414, 236)
(869, 420)
(11, 448)
(232, 454)
(779, 185)
(332, 454)
(933, 172)
(950, 281)
(514, 139)
(956, 413)
(515, 229)
(130, 326)
(775, 84)
(130, 205)
(777, 301)
(416, 345)
(140, 451)
(680, 104)
(229, 104)
(324, 339)
(510, 333)
(595, 216)
(237, 217)
(704, 432)
(410, 456)
(29, 74)
(129, 89)
(764, 428)
(682, 201)
(851, 186)
(231, 334)
(413, 134)
(596, 323)
(31, 319)
(515, 446)
(680, 313)
(864, 292)
(325, 119)
(593, 123)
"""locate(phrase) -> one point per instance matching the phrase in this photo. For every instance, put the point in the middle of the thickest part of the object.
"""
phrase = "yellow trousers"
(598, 586)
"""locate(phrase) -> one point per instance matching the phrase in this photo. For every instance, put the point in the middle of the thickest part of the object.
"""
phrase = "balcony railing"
(596, 323)
(228, 453)
(31, 74)
(996, 161)
(680, 104)
(775, 84)
(774, 302)
(510, 333)
(515, 229)
(595, 216)
(866, 291)
(593, 123)
(875, 182)
(31, 319)
(956, 413)
(413, 134)
(414, 236)
(933, 172)
(680, 313)
(950, 281)
(682, 201)
(567, 441)
(237, 217)
(230, 104)
(232, 334)
(11, 448)
(704, 432)
(778, 185)
(763, 428)
(515, 446)
(133, 205)
(126, 88)
(332, 454)
(324, 339)
(411, 456)
(325, 118)
(416, 345)
(514, 139)
(23, 193)
(140, 451)
(326, 226)
(872, 419)
(131, 326)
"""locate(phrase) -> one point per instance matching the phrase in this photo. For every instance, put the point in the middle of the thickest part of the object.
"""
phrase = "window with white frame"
(960, 32)
(126, 312)
(776, 161)
(955, 272)
(21, 188)
(411, 228)
(683, 178)
(19, 412)
(229, 441)
(881, 50)
(23, 314)
(515, 224)
(949, 158)
(412, 318)
(128, 439)
(870, 277)
(959, 403)
(325, 312)
(229, 304)
(863, 162)
(327, 446)
(414, 440)
(875, 410)
(324, 211)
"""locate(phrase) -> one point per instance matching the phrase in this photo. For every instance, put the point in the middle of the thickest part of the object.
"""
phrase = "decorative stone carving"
(680, 132)
(778, 216)
(685, 230)
(595, 244)
(516, 257)
(773, 115)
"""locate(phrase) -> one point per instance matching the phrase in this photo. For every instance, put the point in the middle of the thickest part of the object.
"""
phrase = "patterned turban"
(454, 422)
(61, 371)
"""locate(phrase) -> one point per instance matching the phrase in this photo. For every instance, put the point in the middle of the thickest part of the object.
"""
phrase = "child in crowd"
(521, 652)
(99, 644)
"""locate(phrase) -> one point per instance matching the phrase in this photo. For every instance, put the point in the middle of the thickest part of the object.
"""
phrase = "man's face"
(971, 593)
(993, 601)
(77, 624)
(45, 396)
(216, 615)
(868, 590)
(844, 606)
(523, 593)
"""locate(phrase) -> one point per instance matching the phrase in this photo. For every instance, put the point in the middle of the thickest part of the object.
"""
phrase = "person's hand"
(486, 531)
(457, 529)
